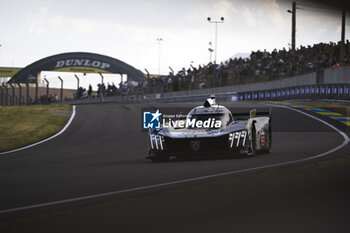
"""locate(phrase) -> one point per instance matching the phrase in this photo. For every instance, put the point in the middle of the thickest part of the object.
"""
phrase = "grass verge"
(24, 125)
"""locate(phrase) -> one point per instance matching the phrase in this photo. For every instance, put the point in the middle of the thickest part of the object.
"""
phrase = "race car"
(218, 131)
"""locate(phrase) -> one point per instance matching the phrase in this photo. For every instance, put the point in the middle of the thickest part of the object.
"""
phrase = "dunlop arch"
(79, 62)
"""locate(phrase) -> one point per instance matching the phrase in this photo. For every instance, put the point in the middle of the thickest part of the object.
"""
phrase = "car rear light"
(262, 139)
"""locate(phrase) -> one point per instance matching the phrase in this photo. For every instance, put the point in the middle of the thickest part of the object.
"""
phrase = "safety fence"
(221, 97)
(15, 94)
(316, 91)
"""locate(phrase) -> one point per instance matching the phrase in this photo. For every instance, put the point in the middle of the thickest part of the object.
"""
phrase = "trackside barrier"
(316, 91)
(194, 98)
(222, 97)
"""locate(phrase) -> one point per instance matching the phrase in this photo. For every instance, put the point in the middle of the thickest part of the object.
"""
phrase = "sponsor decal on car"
(195, 145)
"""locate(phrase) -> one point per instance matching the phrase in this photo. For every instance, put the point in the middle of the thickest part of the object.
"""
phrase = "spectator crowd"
(260, 66)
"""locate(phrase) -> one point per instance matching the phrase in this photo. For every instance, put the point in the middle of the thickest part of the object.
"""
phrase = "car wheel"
(252, 147)
(268, 150)
(157, 157)
(270, 137)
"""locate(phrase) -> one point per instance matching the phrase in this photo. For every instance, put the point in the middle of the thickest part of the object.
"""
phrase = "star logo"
(151, 120)
(156, 115)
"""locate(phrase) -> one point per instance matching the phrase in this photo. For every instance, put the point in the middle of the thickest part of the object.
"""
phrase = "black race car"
(219, 131)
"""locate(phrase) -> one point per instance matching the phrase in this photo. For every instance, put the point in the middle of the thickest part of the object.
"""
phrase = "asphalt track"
(104, 150)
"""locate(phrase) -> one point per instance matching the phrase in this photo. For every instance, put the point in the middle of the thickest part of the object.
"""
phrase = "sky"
(128, 30)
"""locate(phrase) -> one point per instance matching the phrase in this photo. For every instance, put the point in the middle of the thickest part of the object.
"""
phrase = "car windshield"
(211, 120)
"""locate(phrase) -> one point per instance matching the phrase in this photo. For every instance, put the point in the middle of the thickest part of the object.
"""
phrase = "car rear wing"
(253, 113)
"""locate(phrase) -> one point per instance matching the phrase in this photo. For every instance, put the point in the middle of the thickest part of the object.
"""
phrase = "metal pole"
(159, 58)
(47, 88)
(101, 88)
(159, 48)
(27, 94)
(2, 95)
(343, 25)
(216, 34)
(6, 94)
(61, 92)
(342, 45)
(77, 81)
(19, 94)
(122, 85)
(101, 77)
(36, 90)
(293, 24)
(147, 73)
(149, 83)
(210, 51)
(13, 94)
(216, 40)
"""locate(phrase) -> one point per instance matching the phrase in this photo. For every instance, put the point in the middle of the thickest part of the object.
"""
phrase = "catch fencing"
(316, 91)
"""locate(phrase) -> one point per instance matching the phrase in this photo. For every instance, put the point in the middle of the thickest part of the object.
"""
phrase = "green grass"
(24, 125)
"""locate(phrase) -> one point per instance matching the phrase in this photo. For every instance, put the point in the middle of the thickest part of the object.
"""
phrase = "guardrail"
(316, 91)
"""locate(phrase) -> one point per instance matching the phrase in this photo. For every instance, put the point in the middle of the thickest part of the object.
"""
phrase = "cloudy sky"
(128, 29)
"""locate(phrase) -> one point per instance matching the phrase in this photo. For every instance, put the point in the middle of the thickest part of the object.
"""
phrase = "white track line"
(47, 139)
(346, 141)
(346, 138)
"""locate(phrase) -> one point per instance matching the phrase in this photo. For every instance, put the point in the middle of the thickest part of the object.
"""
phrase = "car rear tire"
(268, 150)
(158, 157)
(252, 147)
